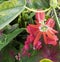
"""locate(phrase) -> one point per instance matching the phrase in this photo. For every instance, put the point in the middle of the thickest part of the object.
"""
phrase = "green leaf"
(11, 4)
(10, 11)
(37, 4)
(2, 1)
(10, 36)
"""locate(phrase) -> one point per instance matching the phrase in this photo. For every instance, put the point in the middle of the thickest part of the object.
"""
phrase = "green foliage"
(9, 15)
(34, 55)
(8, 12)
(6, 55)
(8, 37)
(8, 4)
(37, 4)
(9, 52)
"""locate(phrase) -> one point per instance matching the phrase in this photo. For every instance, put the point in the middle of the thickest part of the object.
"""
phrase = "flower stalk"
(57, 20)
(33, 10)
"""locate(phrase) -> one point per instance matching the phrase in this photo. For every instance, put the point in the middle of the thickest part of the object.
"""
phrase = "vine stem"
(36, 10)
(56, 18)
(58, 7)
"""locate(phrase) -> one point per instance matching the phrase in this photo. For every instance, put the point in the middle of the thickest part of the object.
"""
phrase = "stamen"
(43, 28)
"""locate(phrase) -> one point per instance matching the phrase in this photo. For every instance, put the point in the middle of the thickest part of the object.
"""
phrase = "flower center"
(43, 28)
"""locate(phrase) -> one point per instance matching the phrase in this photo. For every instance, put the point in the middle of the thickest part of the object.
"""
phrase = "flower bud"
(53, 3)
(46, 60)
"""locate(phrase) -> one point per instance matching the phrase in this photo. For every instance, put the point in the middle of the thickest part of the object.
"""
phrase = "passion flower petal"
(37, 38)
(32, 29)
(51, 36)
(40, 16)
(50, 22)
(52, 42)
